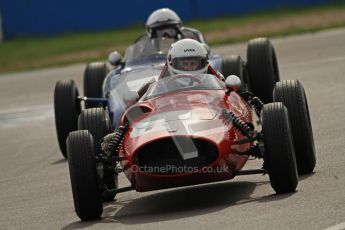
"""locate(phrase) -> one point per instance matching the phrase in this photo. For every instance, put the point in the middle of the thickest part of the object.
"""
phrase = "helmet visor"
(170, 32)
(189, 63)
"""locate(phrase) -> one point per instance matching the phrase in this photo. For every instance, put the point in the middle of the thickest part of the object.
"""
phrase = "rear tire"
(97, 122)
(84, 181)
(67, 109)
(262, 67)
(292, 94)
(94, 76)
(279, 154)
(234, 65)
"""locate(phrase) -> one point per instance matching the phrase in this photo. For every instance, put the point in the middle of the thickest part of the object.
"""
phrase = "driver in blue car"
(165, 26)
(166, 23)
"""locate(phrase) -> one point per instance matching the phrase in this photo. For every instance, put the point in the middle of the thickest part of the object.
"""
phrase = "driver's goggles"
(189, 63)
(167, 32)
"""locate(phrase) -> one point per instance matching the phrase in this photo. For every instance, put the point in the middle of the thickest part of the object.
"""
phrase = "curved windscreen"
(184, 82)
(148, 50)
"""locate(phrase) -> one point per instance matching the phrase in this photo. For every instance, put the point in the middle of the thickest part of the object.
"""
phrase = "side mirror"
(114, 58)
(233, 83)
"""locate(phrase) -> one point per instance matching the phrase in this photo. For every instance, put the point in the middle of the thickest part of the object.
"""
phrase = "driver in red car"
(188, 56)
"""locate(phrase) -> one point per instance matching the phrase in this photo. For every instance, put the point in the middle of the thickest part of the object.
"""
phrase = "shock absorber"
(254, 102)
(257, 105)
(112, 142)
(240, 125)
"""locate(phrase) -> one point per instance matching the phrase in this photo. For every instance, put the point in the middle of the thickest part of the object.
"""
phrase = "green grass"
(27, 49)
(26, 53)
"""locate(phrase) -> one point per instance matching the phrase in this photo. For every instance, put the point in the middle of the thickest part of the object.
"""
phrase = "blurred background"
(36, 33)
(37, 17)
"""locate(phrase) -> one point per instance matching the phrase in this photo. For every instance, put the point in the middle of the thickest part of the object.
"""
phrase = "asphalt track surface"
(35, 190)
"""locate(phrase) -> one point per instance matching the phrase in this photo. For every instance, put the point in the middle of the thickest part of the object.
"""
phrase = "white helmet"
(187, 56)
(162, 20)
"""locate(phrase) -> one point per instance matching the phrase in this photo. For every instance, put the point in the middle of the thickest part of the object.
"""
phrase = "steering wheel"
(181, 76)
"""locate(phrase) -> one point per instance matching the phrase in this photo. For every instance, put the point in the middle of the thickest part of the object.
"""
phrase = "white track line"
(336, 227)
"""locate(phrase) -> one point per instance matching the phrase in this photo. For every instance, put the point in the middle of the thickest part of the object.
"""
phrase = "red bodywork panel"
(194, 114)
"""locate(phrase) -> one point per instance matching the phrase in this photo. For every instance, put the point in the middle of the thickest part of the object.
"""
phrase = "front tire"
(292, 94)
(279, 157)
(262, 67)
(84, 181)
(67, 109)
(97, 122)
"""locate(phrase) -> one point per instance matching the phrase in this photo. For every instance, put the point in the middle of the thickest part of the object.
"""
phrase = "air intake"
(163, 156)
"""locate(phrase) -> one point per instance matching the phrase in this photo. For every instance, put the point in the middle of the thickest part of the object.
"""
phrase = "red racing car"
(186, 130)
